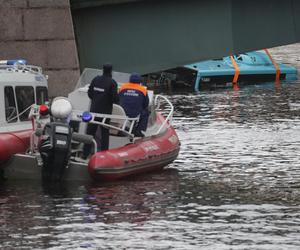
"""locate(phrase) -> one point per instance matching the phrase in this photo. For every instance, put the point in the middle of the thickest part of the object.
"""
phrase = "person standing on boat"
(103, 92)
(134, 100)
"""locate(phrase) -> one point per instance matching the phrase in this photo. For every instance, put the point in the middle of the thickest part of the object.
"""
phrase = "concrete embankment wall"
(41, 31)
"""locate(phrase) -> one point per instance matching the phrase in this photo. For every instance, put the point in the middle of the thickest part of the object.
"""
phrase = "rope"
(17, 116)
(277, 77)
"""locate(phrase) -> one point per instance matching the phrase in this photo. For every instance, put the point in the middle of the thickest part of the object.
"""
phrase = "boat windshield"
(89, 74)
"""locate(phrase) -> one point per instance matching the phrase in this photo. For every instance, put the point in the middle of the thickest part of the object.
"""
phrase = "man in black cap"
(103, 92)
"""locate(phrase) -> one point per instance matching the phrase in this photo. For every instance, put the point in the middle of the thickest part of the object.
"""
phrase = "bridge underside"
(151, 35)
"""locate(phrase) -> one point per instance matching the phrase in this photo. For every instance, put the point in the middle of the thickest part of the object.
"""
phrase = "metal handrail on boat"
(38, 128)
(170, 109)
(126, 127)
(127, 124)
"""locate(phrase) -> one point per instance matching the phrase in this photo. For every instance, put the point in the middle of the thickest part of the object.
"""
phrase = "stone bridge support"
(41, 31)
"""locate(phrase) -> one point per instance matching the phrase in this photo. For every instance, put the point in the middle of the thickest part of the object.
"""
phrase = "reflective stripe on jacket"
(133, 98)
(134, 86)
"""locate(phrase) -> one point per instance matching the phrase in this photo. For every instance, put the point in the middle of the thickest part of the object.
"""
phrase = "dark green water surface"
(235, 185)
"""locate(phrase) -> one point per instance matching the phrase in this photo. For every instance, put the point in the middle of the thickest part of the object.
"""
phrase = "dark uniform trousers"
(143, 121)
(102, 142)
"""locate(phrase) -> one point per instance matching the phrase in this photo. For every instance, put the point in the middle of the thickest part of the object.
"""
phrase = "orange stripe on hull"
(236, 73)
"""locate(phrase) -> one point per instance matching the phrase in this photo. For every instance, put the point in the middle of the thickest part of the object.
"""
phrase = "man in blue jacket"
(134, 100)
(103, 92)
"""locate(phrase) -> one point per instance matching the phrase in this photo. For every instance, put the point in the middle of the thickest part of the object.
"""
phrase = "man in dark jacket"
(134, 100)
(103, 92)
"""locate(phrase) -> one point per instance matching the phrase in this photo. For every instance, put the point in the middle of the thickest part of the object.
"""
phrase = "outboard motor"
(55, 144)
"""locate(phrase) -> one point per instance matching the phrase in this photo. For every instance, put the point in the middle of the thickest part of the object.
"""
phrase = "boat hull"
(143, 155)
(148, 154)
(13, 143)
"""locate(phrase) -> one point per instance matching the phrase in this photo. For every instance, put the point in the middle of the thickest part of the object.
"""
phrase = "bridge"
(151, 35)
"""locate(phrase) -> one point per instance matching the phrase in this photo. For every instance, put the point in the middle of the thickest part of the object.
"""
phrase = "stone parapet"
(11, 24)
(41, 31)
(13, 3)
(62, 54)
(47, 24)
(65, 81)
(48, 3)
(35, 52)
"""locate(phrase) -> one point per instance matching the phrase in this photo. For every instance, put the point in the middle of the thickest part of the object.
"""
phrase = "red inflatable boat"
(54, 149)
(147, 154)
(12, 143)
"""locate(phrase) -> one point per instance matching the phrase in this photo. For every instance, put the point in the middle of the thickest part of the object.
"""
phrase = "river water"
(235, 184)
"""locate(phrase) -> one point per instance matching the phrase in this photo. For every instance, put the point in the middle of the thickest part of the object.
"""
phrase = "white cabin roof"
(22, 75)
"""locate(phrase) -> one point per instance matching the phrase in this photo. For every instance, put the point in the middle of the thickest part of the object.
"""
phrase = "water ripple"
(235, 185)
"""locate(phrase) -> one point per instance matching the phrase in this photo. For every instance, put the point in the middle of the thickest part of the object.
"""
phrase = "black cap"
(107, 69)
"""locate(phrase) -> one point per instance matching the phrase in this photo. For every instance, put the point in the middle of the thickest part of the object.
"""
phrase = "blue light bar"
(86, 116)
(13, 62)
